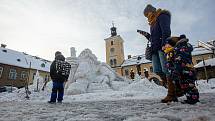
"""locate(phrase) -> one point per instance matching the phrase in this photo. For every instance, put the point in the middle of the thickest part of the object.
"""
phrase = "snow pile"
(205, 87)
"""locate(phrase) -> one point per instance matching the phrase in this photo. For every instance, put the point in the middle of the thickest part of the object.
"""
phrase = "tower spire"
(113, 30)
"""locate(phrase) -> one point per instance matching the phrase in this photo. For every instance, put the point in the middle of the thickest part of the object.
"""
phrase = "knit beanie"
(149, 8)
(57, 53)
(172, 40)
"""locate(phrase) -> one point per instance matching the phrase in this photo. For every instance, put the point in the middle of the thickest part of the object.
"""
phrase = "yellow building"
(18, 68)
(115, 57)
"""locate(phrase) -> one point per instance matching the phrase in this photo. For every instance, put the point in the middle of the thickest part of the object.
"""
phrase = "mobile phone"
(139, 30)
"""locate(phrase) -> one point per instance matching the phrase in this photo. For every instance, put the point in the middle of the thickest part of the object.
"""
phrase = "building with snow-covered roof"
(136, 63)
(206, 66)
(203, 51)
(205, 59)
(18, 68)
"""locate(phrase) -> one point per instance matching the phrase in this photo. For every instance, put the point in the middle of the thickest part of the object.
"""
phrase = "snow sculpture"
(37, 82)
(89, 75)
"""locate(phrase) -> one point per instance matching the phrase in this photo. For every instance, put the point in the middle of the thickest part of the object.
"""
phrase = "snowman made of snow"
(89, 75)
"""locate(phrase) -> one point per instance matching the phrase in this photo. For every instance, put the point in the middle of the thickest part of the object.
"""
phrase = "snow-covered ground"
(138, 101)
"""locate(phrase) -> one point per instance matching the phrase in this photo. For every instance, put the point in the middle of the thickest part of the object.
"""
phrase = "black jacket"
(160, 31)
(53, 72)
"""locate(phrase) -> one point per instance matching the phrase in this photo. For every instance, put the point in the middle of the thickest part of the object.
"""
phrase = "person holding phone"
(159, 21)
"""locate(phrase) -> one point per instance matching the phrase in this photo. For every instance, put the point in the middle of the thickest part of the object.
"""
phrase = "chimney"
(3, 45)
(129, 56)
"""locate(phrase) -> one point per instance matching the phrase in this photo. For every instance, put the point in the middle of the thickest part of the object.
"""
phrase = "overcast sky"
(41, 27)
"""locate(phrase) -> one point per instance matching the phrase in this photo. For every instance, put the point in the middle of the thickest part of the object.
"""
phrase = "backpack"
(62, 68)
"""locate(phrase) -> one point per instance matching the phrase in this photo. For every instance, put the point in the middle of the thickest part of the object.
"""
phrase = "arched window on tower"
(111, 62)
(114, 61)
(111, 43)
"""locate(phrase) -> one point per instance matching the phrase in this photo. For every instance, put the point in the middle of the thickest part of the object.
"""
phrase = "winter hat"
(59, 56)
(57, 53)
(183, 36)
(149, 8)
(172, 40)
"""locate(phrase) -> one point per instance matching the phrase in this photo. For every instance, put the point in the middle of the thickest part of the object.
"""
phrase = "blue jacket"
(160, 31)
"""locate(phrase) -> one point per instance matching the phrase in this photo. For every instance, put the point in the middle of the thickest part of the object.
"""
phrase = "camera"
(146, 34)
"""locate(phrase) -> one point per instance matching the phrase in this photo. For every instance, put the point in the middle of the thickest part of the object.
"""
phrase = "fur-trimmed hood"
(165, 12)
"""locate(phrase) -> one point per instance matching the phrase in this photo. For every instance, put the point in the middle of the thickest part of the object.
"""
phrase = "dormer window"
(4, 51)
(43, 65)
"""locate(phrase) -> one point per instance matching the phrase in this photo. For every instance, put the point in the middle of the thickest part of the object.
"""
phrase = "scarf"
(153, 18)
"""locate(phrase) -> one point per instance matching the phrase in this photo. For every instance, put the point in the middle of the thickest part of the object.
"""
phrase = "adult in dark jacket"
(159, 21)
(58, 80)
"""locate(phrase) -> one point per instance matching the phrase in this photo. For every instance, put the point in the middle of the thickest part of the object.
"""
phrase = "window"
(111, 43)
(197, 61)
(24, 75)
(4, 51)
(151, 69)
(126, 72)
(111, 62)
(18, 60)
(138, 69)
(12, 74)
(114, 61)
(138, 58)
(1, 71)
(33, 76)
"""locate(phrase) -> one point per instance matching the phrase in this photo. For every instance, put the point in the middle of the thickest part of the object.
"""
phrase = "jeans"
(159, 63)
(57, 91)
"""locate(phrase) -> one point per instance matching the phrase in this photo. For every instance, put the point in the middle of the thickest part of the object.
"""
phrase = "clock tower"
(114, 49)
